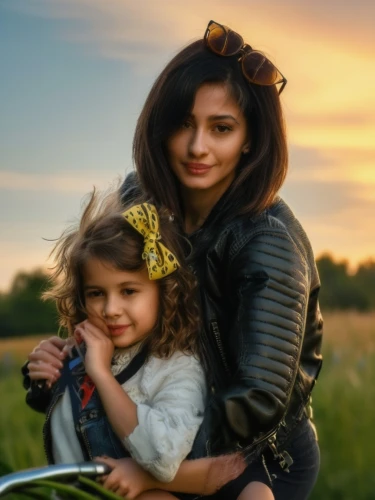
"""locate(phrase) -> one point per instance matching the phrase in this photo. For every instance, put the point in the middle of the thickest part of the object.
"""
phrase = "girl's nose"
(198, 143)
(112, 307)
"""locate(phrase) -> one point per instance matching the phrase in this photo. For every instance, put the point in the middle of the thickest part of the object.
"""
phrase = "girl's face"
(205, 150)
(123, 304)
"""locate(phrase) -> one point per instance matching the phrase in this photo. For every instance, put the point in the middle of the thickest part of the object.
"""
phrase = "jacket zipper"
(270, 436)
(216, 332)
(284, 458)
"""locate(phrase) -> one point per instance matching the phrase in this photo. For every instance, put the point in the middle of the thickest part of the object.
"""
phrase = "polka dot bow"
(160, 261)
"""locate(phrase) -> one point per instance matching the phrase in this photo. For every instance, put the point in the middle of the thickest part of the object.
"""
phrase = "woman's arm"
(203, 476)
(267, 288)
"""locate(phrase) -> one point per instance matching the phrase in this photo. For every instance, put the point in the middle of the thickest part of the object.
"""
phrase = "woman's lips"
(117, 330)
(197, 168)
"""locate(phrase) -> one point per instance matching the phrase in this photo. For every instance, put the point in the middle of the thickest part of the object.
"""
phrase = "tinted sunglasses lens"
(258, 69)
(223, 41)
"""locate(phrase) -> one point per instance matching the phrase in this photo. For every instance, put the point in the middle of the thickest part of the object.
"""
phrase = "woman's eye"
(186, 124)
(223, 128)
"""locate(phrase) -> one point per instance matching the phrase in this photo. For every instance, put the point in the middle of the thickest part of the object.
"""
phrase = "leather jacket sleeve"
(38, 396)
(268, 288)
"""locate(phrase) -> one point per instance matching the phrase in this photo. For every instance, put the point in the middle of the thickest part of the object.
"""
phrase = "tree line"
(23, 312)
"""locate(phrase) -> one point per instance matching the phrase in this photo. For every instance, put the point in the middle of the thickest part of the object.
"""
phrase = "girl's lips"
(117, 330)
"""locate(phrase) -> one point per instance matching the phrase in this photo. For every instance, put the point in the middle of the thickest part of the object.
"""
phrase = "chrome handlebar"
(64, 471)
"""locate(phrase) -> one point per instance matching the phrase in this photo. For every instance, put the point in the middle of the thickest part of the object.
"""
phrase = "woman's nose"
(198, 145)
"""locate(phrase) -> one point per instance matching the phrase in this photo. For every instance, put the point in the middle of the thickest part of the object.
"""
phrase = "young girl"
(128, 380)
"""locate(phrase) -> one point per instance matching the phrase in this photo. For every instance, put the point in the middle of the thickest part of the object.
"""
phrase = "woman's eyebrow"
(222, 117)
(212, 118)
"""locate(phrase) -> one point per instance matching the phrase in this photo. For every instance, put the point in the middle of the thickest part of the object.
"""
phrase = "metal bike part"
(59, 472)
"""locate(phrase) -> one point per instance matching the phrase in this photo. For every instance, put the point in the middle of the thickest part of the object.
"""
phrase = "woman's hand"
(127, 478)
(46, 360)
(203, 476)
(99, 348)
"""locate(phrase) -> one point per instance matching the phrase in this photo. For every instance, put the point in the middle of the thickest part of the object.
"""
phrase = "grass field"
(343, 401)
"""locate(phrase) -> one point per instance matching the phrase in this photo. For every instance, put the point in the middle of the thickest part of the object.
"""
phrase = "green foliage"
(5, 469)
(20, 427)
(21, 446)
(344, 398)
(343, 402)
(344, 409)
(342, 290)
(22, 311)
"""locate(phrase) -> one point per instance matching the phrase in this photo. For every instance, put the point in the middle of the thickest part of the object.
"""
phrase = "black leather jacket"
(262, 325)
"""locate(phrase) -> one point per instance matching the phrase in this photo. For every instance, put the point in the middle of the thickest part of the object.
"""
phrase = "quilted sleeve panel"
(268, 282)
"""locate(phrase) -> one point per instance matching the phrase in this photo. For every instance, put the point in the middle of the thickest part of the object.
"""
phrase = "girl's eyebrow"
(125, 283)
(131, 283)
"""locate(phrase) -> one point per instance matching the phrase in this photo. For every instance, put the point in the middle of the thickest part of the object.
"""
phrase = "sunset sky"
(75, 73)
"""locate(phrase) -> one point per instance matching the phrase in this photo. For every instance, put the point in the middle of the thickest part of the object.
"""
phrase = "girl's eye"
(94, 293)
(223, 128)
(128, 291)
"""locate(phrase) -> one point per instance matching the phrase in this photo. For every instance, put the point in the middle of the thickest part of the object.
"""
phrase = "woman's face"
(205, 150)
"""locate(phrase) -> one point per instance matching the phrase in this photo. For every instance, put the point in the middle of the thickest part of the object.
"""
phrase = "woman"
(210, 146)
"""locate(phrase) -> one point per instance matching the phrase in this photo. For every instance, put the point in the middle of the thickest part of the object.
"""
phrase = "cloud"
(14, 259)
(168, 23)
(326, 50)
(332, 192)
(135, 32)
(337, 216)
(329, 198)
(69, 182)
(350, 165)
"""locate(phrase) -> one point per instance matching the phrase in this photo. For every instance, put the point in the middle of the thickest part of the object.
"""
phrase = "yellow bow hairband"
(160, 261)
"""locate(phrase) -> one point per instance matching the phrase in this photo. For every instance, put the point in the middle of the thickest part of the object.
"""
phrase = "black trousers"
(297, 484)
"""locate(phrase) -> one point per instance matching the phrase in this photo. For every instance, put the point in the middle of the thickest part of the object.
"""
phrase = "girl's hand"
(127, 478)
(99, 348)
(46, 360)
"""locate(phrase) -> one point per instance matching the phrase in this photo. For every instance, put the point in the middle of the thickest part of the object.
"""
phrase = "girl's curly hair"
(104, 234)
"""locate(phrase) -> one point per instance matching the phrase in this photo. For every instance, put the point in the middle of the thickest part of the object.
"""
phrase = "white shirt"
(170, 396)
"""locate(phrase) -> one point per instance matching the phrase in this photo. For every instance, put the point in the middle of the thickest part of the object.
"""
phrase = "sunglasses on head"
(256, 68)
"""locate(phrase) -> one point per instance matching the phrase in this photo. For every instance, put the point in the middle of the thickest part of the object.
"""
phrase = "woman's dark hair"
(260, 173)
(104, 234)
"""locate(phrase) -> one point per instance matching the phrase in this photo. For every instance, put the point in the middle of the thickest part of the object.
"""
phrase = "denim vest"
(94, 432)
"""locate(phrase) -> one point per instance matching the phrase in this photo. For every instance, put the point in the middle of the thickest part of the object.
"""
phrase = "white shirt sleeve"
(170, 417)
